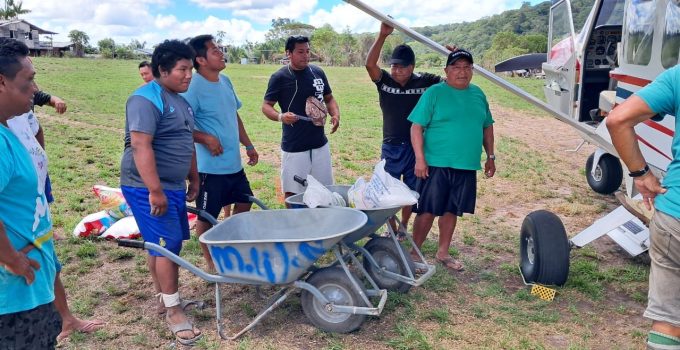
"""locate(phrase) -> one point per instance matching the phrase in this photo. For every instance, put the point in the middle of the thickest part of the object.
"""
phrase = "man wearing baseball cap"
(451, 124)
(399, 90)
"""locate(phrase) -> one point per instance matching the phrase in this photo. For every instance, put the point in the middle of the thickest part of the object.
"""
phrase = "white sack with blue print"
(381, 191)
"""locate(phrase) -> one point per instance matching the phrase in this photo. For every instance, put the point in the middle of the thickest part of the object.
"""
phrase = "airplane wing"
(528, 61)
(622, 227)
(587, 132)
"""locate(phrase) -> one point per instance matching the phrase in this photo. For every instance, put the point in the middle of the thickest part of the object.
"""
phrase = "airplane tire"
(544, 249)
(608, 174)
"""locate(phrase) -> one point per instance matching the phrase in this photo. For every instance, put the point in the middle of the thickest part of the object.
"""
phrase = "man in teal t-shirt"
(219, 130)
(28, 318)
(661, 97)
(451, 123)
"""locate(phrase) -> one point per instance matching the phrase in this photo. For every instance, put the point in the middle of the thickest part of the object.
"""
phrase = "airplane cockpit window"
(611, 13)
(562, 35)
(670, 49)
(639, 29)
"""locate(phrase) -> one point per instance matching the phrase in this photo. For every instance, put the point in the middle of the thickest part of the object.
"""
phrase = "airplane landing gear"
(544, 249)
(607, 176)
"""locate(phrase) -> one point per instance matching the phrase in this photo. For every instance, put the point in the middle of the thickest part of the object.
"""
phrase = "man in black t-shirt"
(304, 145)
(399, 92)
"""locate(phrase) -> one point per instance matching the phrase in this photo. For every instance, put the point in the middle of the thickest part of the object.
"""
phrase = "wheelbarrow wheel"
(385, 253)
(333, 283)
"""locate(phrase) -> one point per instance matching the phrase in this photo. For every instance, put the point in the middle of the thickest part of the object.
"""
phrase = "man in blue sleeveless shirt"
(660, 98)
(27, 258)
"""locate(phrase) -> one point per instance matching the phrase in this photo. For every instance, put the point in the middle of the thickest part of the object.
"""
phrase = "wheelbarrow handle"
(204, 214)
(131, 243)
(300, 180)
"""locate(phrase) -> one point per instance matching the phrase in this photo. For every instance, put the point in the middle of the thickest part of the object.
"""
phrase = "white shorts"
(316, 162)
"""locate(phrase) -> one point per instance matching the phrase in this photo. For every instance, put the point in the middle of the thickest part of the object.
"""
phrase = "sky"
(152, 21)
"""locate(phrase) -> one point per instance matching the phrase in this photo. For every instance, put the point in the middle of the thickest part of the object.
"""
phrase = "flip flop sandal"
(184, 326)
(89, 327)
(451, 264)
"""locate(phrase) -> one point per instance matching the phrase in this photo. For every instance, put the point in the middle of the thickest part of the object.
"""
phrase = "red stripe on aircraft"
(630, 79)
(652, 147)
(656, 126)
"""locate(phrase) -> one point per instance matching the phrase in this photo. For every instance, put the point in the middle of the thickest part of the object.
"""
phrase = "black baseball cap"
(403, 55)
(459, 54)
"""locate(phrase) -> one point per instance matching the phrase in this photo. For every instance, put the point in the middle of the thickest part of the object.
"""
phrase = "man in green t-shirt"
(451, 123)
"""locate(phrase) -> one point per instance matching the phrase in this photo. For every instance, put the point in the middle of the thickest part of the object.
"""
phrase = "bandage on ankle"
(170, 300)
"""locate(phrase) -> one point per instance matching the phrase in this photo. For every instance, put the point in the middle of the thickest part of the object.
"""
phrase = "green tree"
(324, 43)
(107, 48)
(12, 10)
(80, 39)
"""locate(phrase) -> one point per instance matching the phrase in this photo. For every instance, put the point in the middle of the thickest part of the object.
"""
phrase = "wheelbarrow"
(280, 247)
(386, 262)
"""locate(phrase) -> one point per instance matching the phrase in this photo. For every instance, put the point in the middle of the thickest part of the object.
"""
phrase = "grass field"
(487, 306)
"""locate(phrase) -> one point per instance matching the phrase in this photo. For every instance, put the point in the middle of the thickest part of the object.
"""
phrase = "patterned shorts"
(32, 329)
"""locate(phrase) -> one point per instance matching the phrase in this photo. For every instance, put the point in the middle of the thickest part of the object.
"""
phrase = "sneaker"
(635, 207)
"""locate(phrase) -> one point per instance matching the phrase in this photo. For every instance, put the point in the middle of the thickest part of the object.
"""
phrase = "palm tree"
(80, 39)
(18, 9)
(12, 10)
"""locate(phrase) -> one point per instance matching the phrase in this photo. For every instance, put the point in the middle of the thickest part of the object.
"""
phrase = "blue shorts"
(400, 162)
(48, 189)
(57, 264)
(168, 230)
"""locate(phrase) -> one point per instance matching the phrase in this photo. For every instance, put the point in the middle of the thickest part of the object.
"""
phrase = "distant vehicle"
(623, 46)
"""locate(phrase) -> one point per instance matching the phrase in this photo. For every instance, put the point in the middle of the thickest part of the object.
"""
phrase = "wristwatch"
(640, 172)
(491, 156)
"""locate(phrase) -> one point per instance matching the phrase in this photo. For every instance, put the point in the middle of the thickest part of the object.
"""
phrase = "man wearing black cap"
(399, 91)
(451, 123)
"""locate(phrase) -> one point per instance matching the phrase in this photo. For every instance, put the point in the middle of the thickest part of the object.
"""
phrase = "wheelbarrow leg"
(284, 293)
(355, 283)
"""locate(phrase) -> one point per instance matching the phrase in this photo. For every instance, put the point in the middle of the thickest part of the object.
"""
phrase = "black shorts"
(31, 329)
(447, 190)
(219, 190)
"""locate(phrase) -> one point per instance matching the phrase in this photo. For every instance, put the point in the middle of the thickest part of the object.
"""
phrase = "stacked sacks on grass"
(115, 221)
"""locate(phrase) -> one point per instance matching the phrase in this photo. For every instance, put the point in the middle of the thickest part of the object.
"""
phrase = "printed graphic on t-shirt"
(398, 91)
(318, 85)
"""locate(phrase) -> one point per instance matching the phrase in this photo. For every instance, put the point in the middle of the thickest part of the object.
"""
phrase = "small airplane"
(623, 46)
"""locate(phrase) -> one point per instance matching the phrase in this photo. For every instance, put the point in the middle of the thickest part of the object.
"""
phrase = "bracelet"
(280, 116)
(639, 173)
(250, 148)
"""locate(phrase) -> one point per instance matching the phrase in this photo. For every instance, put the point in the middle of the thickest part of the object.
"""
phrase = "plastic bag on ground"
(381, 191)
(124, 228)
(316, 193)
(94, 224)
(112, 200)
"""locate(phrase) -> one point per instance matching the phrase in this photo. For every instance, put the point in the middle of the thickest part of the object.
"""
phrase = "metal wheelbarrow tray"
(386, 263)
(280, 247)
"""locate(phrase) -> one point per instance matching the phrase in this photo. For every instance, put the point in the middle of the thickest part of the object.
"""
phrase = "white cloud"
(412, 13)
(242, 20)
(262, 11)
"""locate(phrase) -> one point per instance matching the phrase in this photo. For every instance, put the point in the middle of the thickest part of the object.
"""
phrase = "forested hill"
(477, 36)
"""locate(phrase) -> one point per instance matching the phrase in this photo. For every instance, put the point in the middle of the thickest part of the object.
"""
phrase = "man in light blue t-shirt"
(28, 318)
(660, 98)
(219, 130)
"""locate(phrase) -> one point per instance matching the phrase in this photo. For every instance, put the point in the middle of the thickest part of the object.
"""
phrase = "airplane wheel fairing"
(608, 174)
(544, 249)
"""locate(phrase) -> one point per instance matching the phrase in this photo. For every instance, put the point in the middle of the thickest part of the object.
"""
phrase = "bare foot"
(78, 325)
